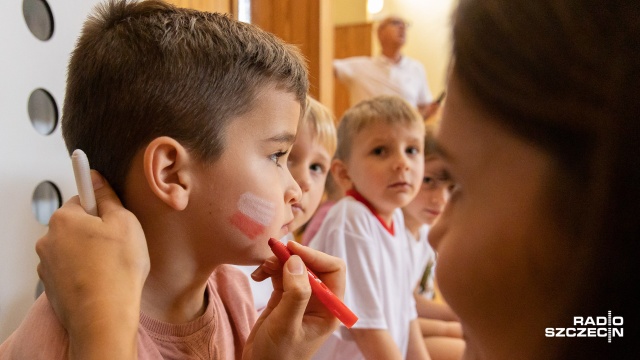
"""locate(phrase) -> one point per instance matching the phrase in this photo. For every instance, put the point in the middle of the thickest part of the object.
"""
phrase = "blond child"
(380, 160)
(438, 323)
(309, 163)
(190, 117)
(310, 159)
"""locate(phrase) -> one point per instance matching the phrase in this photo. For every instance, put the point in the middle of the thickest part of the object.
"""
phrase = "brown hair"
(146, 69)
(563, 75)
(385, 109)
(430, 143)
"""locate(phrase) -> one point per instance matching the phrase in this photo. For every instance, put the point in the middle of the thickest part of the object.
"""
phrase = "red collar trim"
(356, 195)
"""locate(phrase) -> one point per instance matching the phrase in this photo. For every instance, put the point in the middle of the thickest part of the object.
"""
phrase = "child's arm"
(376, 344)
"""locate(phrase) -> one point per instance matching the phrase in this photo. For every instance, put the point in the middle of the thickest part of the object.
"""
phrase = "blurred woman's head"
(542, 132)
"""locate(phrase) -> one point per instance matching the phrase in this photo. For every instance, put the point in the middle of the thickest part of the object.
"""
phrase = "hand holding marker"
(81, 172)
(320, 290)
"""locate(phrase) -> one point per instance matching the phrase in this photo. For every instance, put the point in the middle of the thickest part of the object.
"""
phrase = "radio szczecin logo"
(598, 326)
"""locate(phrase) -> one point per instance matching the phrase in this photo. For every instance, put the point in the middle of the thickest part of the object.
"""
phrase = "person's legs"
(443, 338)
(444, 348)
(433, 327)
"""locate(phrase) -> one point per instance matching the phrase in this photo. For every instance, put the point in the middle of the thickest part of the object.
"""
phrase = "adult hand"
(294, 324)
(93, 270)
(429, 110)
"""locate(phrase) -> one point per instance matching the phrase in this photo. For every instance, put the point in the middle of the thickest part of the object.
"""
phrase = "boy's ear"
(340, 174)
(167, 169)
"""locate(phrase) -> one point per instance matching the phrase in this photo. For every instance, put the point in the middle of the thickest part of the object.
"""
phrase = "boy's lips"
(400, 184)
(433, 212)
(297, 207)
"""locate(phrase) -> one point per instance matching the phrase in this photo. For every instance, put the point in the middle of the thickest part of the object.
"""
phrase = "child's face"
(431, 198)
(245, 197)
(309, 164)
(499, 250)
(386, 165)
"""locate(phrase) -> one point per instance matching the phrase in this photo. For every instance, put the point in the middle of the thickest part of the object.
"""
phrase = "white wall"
(26, 157)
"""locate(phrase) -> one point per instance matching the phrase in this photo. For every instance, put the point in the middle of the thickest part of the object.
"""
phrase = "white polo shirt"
(367, 77)
(379, 287)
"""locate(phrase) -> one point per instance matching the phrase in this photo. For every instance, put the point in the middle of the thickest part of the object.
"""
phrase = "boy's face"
(386, 165)
(309, 163)
(431, 198)
(246, 195)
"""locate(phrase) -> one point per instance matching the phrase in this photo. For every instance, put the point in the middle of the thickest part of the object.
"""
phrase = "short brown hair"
(385, 108)
(146, 69)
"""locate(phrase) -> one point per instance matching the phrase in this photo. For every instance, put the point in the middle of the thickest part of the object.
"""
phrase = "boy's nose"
(439, 197)
(293, 192)
(302, 177)
(401, 162)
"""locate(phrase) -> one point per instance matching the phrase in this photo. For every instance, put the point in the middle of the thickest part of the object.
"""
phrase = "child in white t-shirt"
(380, 160)
(439, 325)
(309, 163)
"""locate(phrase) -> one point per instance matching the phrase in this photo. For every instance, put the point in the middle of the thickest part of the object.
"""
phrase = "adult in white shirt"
(389, 73)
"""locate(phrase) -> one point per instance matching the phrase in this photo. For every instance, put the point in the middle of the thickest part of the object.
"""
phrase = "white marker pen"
(83, 182)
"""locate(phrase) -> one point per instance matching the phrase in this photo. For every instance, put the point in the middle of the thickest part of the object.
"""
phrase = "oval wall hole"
(46, 199)
(43, 111)
(37, 14)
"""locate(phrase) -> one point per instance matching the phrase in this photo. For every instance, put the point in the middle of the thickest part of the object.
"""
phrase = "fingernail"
(96, 180)
(295, 265)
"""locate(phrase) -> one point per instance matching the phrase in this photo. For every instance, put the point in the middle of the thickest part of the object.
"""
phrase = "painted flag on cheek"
(253, 216)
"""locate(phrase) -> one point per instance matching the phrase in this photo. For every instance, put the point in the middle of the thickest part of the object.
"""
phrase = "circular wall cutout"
(46, 199)
(43, 111)
(37, 14)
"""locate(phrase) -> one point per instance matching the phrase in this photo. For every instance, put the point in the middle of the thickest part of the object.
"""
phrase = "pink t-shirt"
(220, 333)
(315, 222)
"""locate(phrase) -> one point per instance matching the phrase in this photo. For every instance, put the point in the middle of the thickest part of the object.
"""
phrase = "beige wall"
(349, 12)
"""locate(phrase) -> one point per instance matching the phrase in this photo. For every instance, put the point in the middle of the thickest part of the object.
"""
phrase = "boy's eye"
(378, 151)
(431, 183)
(440, 180)
(428, 180)
(317, 168)
(275, 157)
(413, 150)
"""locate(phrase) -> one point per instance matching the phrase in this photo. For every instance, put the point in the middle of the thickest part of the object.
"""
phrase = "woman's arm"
(93, 269)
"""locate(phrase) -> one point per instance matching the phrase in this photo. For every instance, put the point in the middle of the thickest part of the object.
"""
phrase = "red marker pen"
(320, 290)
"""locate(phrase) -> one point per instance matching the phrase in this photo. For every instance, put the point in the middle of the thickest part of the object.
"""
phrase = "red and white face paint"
(254, 215)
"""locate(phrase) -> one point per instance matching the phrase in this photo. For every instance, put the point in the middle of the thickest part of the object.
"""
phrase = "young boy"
(438, 323)
(309, 163)
(380, 160)
(190, 117)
